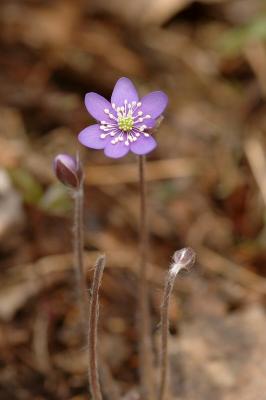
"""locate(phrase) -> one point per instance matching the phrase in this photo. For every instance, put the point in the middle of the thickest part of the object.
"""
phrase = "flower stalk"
(68, 170)
(146, 354)
(78, 255)
(183, 259)
(93, 330)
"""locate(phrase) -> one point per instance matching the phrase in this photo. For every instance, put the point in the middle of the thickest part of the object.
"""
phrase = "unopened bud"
(183, 259)
(68, 170)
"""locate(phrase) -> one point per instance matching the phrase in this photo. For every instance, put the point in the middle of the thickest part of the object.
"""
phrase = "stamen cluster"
(127, 123)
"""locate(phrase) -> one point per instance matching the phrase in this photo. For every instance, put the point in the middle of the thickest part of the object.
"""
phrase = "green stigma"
(125, 123)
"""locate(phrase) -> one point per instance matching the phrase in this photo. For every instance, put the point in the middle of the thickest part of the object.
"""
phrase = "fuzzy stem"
(93, 325)
(146, 355)
(183, 259)
(164, 335)
(78, 255)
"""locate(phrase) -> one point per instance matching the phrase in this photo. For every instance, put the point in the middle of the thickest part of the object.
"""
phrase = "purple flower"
(68, 170)
(125, 123)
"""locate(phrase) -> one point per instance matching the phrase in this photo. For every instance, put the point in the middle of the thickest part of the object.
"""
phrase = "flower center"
(125, 123)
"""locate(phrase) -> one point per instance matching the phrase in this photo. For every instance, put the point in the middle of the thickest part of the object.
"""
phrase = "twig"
(106, 376)
(256, 57)
(93, 325)
(257, 161)
(146, 356)
(182, 259)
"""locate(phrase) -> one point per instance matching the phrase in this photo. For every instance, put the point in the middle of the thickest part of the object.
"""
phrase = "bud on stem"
(68, 170)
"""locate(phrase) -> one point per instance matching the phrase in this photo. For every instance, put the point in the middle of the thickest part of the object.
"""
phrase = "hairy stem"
(82, 285)
(93, 328)
(146, 355)
(78, 256)
(164, 336)
(183, 259)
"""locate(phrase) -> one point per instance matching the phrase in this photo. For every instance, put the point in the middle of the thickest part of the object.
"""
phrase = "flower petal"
(117, 150)
(124, 90)
(154, 104)
(150, 123)
(90, 137)
(143, 145)
(96, 105)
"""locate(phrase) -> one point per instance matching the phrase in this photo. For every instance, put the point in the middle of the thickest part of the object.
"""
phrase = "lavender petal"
(96, 105)
(117, 150)
(124, 90)
(150, 123)
(154, 104)
(143, 145)
(90, 137)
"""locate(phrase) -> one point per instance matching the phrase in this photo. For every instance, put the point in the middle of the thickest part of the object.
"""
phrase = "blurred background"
(206, 181)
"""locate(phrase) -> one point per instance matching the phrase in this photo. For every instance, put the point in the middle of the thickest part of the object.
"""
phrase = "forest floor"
(206, 188)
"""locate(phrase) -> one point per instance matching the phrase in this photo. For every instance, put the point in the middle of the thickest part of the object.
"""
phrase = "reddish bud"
(68, 170)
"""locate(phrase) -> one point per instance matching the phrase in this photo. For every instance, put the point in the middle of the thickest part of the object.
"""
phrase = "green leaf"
(236, 39)
(56, 199)
(28, 186)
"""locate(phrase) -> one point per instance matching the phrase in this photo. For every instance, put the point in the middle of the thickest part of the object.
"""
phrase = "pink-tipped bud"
(183, 259)
(68, 170)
